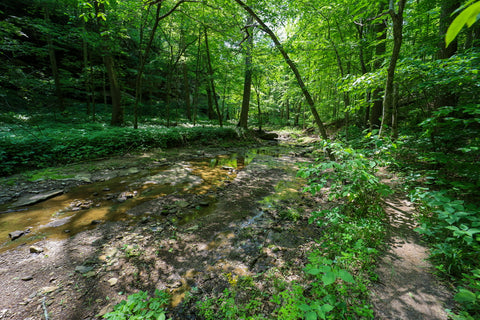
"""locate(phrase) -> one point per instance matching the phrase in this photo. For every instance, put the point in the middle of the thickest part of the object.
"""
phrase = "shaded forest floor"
(253, 225)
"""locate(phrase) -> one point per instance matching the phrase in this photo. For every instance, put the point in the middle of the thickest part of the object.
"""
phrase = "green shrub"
(350, 179)
(140, 306)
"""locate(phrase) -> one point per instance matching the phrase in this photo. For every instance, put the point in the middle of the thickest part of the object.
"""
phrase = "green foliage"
(60, 144)
(453, 229)
(350, 179)
(140, 306)
(241, 301)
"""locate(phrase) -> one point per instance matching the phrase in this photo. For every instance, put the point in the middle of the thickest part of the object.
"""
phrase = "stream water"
(86, 206)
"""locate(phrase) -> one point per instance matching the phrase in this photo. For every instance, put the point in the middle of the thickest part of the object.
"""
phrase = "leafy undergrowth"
(439, 165)
(27, 146)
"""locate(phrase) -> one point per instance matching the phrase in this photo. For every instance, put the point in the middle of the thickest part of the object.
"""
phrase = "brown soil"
(406, 287)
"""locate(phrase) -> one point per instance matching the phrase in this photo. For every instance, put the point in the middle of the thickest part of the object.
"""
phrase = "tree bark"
(210, 78)
(115, 93)
(54, 66)
(247, 84)
(380, 49)
(294, 69)
(446, 10)
(388, 99)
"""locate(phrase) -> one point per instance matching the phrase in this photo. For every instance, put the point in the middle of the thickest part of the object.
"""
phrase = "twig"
(45, 312)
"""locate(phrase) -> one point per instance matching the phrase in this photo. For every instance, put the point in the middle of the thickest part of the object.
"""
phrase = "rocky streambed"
(188, 222)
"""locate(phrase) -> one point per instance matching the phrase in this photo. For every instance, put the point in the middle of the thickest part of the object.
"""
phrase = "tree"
(247, 84)
(388, 99)
(294, 69)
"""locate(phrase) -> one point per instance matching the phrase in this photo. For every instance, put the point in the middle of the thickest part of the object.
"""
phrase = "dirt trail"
(406, 288)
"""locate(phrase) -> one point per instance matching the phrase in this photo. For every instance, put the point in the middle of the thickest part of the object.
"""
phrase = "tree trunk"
(294, 69)
(210, 112)
(380, 49)
(210, 79)
(247, 84)
(397, 19)
(143, 59)
(395, 113)
(54, 66)
(446, 11)
(115, 93)
(186, 92)
(87, 76)
(257, 91)
(447, 8)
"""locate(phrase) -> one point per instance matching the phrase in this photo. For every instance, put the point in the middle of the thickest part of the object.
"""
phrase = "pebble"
(27, 277)
(112, 281)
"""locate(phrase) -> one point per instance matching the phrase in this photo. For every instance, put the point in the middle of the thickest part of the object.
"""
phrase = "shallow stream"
(87, 206)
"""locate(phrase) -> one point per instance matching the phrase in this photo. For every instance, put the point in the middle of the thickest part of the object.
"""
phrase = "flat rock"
(32, 199)
(16, 234)
(83, 269)
(112, 281)
(46, 290)
(35, 249)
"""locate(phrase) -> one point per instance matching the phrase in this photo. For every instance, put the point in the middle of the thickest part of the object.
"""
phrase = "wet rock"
(81, 205)
(32, 199)
(106, 189)
(67, 231)
(109, 196)
(16, 234)
(95, 222)
(84, 177)
(204, 203)
(35, 249)
(126, 195)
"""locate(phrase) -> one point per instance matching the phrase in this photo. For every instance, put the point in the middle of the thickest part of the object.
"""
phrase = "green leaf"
(311, 315)
(465, 295)
(467, 16)
(345, 276)
(329, 278)
(326, 308)
(313, 271)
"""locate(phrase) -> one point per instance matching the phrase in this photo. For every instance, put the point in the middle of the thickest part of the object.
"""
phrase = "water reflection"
(86, 206)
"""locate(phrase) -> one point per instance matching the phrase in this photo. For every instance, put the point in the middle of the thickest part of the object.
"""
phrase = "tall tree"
(53, 63)
(109, 61)
(247, 84)
(388, 99)
(294, 69)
